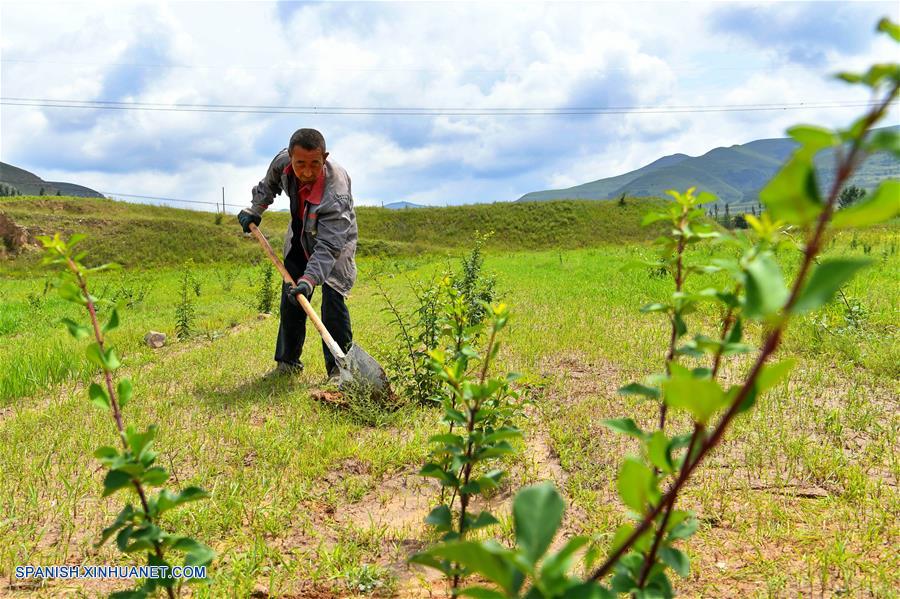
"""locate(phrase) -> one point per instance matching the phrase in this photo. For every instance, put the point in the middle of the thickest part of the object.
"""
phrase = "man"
(319, 246)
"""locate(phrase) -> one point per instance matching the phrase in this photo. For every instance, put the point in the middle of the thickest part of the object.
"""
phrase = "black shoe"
(284, 369)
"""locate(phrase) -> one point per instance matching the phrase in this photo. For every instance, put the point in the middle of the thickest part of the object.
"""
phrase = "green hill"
(27, 183)
(734, 174)
(145, 235)
(602, 188)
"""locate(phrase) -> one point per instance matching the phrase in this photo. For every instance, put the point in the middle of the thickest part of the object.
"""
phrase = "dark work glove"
(302, 287)
(245, 218)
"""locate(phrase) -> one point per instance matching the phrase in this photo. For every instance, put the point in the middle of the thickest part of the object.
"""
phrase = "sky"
(435, 103)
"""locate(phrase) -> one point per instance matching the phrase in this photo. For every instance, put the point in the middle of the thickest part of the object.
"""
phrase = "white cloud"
(402, 55)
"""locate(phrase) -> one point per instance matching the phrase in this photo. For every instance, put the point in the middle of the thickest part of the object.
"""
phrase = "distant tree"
(42, 192)
(850, 195)
(7, 190)
(58, 192)
(739, 222)
(622, 200)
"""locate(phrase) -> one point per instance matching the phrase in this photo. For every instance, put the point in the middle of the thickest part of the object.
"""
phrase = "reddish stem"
(117, 414)
(771, 344)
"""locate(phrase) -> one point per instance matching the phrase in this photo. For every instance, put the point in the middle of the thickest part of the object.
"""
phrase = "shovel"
(358, 371)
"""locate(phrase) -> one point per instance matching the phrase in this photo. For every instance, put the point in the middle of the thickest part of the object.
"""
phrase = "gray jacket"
(327, 231)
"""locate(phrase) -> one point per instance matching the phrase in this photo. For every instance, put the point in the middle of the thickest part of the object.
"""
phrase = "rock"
(155, 339)
(13, 237)
(263, 316)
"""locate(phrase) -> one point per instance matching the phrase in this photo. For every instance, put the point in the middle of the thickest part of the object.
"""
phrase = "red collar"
(310, 193)
(313, 193)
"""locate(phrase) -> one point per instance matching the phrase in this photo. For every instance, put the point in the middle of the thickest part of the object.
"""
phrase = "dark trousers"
(292, 328)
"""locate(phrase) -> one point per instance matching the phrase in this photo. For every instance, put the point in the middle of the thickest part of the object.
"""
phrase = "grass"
(801, 500)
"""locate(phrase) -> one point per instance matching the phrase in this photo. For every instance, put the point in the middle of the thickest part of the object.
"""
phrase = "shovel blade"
(362, 373)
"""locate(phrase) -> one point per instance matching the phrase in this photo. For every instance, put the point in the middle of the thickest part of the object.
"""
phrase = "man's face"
(307, 164)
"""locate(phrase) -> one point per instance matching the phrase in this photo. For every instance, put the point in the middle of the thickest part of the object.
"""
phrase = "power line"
(179, 200)
(418, 111)
(287, 66)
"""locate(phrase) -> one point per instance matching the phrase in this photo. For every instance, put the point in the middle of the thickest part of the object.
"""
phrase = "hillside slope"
(144, 235)
(27, 183)
(734, 174)
(602, 188)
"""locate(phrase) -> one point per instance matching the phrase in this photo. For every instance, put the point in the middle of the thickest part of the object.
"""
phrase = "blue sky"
(485, 56)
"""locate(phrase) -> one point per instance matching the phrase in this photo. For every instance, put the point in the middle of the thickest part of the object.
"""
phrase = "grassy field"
(307, 501)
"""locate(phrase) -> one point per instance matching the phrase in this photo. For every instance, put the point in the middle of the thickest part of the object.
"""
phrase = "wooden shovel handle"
(326, 336)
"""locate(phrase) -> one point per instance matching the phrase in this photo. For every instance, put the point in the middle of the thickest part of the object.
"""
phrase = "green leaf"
(792, 195)
(773, 374)
(500, 434)
(676, 560)
(885, 140)
(653, 217)
(766, 291)
(877, 73)
(849, 77)
(881, 206)
(155, 476)
(657, 307)
(537, 514)
(98, 396)
(812, 137)
(558, 564)
(200, 555)
(700, 397)
(124, 517)
(447, 439)
(481, 593)
(486, 558)
(634, 484)
(626, 426)
(94, 355)
(78, 331)
(125, 390)
(107, 361)
(658, 451)
(113, 322)
(138, 441)
(168, 500)
(587, 590)
(115, 480)
(106, 453)
(433, 470)
(684, 529)
(481, 521)
(826, 280)
(111, 360)
(885, 25)
(638, 389)
(441, 518)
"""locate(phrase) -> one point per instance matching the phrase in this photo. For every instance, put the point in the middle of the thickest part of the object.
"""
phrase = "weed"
(371, 579)
(265, 291)
(226, 276)
(184, 311)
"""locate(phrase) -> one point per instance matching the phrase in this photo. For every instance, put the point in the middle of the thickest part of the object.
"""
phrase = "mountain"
(27, 183)
(402, 205)
(602, 189)
(734, 174)
(79, 191)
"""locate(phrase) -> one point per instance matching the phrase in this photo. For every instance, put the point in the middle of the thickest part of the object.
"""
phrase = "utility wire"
(287, 66)
(179, 200)
(416, 111)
